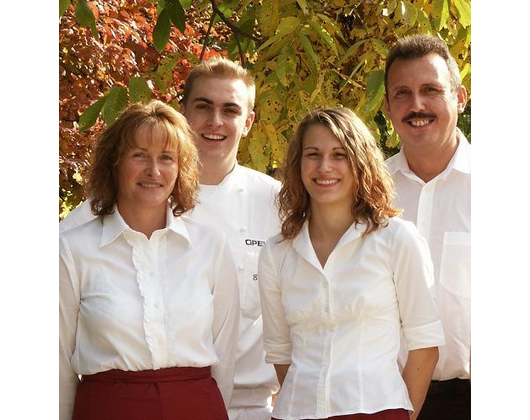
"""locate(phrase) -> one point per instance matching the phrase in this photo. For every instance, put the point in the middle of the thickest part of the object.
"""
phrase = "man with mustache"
(432, 176)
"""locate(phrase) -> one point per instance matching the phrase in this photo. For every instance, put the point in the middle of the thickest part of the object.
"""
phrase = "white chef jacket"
(242, 207)
(339, 326)
(132, 303)
(441, 209)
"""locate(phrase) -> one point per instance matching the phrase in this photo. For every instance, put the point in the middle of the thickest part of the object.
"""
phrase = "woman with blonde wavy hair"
(148, 300)
(344, 282)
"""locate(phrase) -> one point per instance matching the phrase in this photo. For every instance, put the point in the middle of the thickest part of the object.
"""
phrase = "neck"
(428, 164)
(214, 171)
(329, 222)
(145, 222)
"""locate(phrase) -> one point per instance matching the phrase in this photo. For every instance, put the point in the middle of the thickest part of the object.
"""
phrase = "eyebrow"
(316, 148)
(210, 102)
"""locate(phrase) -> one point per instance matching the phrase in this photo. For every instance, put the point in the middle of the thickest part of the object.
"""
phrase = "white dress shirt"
(132, 303)
(441, 209)
(339, 326)
(242, 207)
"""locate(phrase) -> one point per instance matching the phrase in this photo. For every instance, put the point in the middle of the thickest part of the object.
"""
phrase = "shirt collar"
(461, 160)
(114, 226)
(302, 242)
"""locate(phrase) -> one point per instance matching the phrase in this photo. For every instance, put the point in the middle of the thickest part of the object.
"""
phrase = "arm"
(281, 372)
(276, 331)
(225, 326)
(417, 375)
(69, 302)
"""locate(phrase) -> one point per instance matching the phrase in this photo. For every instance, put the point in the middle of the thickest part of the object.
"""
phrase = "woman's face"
(147, 172)
(325, 168)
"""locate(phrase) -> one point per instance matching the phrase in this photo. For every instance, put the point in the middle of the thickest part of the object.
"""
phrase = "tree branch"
(205, 42)
(241, 53)
(231, 24)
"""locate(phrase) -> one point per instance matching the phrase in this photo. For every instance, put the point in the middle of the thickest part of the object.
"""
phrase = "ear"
(461, 98)
(182, 109)
(386, 104)
(248, 122)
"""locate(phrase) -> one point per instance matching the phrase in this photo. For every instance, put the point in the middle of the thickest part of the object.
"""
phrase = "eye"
(233, 111)
(401, 93)
(340, 155)
(138, 155)
(166, 157)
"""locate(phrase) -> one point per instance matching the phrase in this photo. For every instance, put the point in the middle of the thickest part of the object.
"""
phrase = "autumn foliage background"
(302, 53)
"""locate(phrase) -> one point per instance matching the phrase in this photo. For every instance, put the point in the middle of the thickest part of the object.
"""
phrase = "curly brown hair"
(373, 187)
(118, 138)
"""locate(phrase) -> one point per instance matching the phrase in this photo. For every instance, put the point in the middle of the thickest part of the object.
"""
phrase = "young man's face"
(218, 111)
(422, 103)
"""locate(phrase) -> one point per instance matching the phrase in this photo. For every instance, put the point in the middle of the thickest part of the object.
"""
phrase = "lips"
(213, 137)
(419, 119)
(326, 181)
(149, 185)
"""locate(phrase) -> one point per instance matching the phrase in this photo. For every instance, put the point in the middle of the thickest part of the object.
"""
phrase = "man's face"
(422, 104)
(218, 112)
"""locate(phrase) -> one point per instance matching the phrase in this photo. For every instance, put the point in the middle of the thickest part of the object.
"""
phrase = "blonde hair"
(116, 139)
(222, 68)
(373, 186)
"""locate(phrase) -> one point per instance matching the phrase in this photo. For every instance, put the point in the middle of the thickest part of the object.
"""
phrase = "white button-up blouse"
(132, 303)
(339, 326)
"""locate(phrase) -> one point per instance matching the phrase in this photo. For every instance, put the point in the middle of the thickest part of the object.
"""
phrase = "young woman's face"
(325, 168)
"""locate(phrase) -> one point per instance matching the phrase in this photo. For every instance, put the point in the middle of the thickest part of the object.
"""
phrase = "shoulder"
(200, 233)
(276, 247)
(79, 216)
(81, 237)
(257, 178)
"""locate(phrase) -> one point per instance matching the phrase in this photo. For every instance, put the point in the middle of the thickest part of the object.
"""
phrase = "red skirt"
(184, 393)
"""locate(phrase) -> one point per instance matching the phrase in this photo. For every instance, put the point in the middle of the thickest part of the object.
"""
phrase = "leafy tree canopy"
(302, 53)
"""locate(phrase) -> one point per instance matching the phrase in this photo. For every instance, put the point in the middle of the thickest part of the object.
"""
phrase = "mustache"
(418, 115)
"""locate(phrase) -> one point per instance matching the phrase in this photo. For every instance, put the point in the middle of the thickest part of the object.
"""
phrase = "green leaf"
(380, 47)
(375, 90)
(270, 41)
(308, 48)
(186, 4)
(287, 25)
(325, 36)
(162, 30)
(441, 14)
(63, 5)
(303, 6)
(464, 11)
(176, 13)
(89, 117)
(139, 90)
(423, 21)
(353, 49)
(115, 103)
(85, 17)
(406, 12)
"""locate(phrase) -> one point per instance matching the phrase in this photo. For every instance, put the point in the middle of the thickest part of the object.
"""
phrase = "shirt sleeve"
(276, 331)
(69, 302)
(225, 328)
(414, 282)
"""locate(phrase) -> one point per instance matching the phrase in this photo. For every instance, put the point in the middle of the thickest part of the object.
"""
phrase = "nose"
(152, 169)
(416, 102)
(325, 164)
(214, 119)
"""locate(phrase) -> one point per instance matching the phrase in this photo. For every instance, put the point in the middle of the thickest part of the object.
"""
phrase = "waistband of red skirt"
(158, 375)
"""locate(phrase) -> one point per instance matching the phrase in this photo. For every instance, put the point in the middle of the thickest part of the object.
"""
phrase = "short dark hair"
(420, 45)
